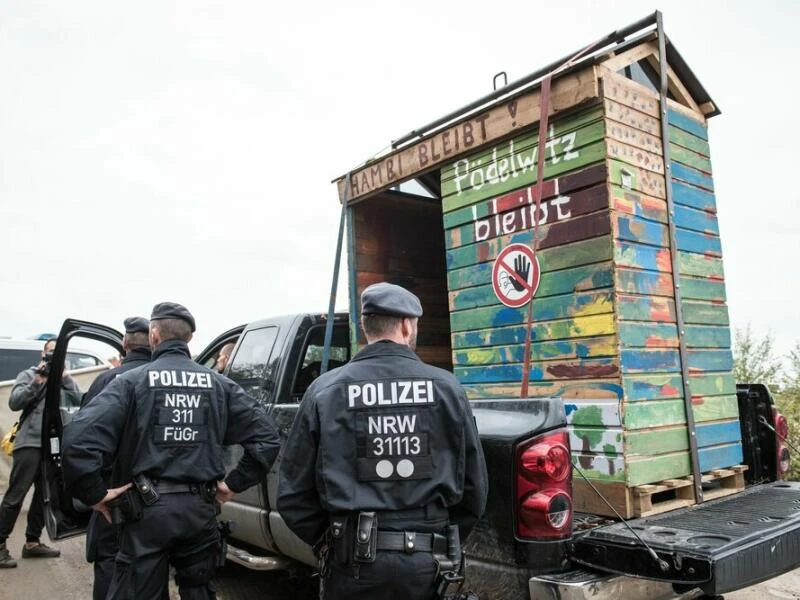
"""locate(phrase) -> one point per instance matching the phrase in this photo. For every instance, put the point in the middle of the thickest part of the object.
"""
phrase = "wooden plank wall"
(487, 204)
(398, 238)
(656, 440)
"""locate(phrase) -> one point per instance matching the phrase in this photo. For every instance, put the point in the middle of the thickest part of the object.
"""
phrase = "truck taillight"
(544, 488)
(784, 459)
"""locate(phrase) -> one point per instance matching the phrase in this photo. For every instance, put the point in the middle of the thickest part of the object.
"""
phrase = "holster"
(365, 545)
(452, 566)
(126, 508)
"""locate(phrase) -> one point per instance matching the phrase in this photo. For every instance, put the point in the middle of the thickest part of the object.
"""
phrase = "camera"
(44, 370)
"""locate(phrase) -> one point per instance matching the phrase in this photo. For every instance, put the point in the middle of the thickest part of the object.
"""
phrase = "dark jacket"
(135, 358)
(169, 419)
(25, 394)
(385, 432)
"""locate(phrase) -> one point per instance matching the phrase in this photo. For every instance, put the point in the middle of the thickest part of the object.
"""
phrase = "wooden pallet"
(655, 498)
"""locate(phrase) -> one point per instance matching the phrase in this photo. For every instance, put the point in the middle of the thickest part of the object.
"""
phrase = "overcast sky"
(183, 151)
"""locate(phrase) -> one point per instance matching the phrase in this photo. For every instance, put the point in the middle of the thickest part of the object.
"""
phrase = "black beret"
(136, 325)
(389, 299)
(172, 310)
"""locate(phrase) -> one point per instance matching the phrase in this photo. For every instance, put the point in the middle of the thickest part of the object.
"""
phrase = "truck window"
(250, 362)
(312, 355)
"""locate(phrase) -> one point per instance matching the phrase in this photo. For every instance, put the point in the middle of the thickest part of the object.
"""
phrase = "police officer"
(383, 469)
(164, 425)
(101, 537)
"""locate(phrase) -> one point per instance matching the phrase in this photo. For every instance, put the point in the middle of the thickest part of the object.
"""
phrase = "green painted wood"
(576, 185)
(558, 210)
(690, 158)
(710, 360)
(645, 283)
(700, 265)
(657, 468)
(592, 153)
(704, 336)
(604, 346)
(664, 439)
(633, 334)
(573, 313)
(676, 439)
(563, 257)
(687, 140)
(654, 413)
(570, 123)
(577, 279)
(660, 413)
(693, 288)
(712, 384)
(633, 203)
(715, 408)
(705, 313)
(647, 386)
(644, 308)
(550, 236)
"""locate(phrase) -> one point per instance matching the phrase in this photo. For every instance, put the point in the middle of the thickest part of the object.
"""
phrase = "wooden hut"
(629, 323)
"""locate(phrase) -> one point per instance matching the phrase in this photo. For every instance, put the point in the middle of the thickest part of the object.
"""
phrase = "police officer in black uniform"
(101, 536)
(383, 471)
(165, 425)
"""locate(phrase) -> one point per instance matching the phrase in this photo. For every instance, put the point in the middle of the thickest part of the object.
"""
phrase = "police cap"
(172, 310)
(136, 325)
(389, 299)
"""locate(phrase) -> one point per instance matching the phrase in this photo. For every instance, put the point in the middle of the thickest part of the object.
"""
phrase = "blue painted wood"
(693, 176)
(710, 360)
(644, 361)
(638, 256)
(472, 275)
(696, 220)
(713, 434)
(647, 283)
(695, 197)
(700, 243)
(719, 457)
(634, 229)
(584, 368)
(653, 387)
(681, 121)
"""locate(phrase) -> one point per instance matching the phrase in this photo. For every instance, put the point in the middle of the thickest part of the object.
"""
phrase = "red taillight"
(784, 460)
(544, 488)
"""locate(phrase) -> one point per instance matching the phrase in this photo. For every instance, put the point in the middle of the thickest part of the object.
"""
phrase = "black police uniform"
(384, 433)
(167, 421)
(101, 537)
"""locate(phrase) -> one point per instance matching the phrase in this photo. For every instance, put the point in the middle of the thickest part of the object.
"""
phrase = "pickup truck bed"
(719, 546)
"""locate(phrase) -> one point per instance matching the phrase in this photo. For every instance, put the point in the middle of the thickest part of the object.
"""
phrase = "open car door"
(66, 516)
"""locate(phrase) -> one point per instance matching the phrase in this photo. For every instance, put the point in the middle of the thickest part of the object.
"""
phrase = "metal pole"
(676, 276)
(326, 350)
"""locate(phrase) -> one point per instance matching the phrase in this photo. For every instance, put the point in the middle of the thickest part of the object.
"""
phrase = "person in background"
(27, 396)
(224, 357)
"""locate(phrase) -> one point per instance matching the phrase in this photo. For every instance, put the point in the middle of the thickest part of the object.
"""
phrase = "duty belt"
(178, 487)
(409, 541)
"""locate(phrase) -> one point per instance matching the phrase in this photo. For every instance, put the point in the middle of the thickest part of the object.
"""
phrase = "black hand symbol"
(522, 267)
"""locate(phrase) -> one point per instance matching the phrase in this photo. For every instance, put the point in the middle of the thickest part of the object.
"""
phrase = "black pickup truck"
(529, 544)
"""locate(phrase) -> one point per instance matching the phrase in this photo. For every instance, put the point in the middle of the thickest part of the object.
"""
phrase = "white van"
(18, 355)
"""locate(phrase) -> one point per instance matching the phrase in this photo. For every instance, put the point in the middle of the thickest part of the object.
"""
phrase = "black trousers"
(180, 529)
(393, 576)
(25, 472)
(101, 549)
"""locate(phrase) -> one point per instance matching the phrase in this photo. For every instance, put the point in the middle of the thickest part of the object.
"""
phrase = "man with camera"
(27, 396)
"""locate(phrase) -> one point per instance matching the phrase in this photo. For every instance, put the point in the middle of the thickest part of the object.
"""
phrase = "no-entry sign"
(515, 275)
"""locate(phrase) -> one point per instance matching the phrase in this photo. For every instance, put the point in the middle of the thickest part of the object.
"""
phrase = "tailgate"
(719, 546)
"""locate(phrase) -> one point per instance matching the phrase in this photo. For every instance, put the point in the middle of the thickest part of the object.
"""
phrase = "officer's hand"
(102, 507)
(224, 493)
